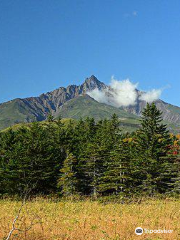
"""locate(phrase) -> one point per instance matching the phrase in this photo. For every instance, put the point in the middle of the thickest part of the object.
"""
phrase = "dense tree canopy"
(90, 158)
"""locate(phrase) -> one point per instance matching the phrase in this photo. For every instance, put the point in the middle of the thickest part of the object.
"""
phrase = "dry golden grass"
(89, 220)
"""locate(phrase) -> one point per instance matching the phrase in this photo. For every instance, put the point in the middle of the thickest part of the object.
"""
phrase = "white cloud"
(151, 96)
(99, 96)
(123, 93)
(134, 13)
(131, 14)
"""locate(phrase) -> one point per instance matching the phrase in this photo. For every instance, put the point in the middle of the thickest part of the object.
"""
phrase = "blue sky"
(46, 44)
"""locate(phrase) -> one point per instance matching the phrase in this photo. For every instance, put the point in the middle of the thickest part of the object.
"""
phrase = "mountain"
(83, 106)
(170, 113)
(37, 108)
(73, 102)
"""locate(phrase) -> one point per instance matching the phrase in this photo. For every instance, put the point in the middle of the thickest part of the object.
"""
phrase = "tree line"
(90, 158)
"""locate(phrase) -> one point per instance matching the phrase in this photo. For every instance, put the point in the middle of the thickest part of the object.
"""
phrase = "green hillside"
(71, 102)
(85, 106)
(14, 112)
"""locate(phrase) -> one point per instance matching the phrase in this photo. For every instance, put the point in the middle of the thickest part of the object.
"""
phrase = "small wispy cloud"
(132, 14)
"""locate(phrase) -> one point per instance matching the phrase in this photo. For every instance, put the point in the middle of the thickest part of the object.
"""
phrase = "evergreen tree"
(32, 158)
(92, 166)
(116, 176)
(90, 157)
(153, 136)
(153, 140)
(68, 180)
(174, 169)
(50, 118)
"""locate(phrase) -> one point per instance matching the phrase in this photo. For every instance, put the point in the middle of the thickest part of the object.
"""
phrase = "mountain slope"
(73, 102)
(37, 108)
(170, 113)
(84, 106)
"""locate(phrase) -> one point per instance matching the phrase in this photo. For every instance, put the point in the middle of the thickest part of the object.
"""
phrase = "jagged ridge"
(56, 102)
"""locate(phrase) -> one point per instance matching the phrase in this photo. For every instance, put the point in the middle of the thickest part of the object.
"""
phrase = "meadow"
(47, 219)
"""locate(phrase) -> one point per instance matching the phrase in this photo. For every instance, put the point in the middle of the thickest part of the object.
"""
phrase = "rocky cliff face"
(37, 108)
(51, 102)
(170, 113)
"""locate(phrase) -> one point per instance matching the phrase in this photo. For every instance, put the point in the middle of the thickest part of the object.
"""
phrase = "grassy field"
(43, 219)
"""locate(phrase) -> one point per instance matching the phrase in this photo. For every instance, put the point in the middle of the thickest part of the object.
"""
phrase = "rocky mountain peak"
(92, 83)
(37, 108)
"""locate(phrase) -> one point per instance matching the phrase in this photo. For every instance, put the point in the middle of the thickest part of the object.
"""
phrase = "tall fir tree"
(153, 141)
(68, 179)
(116, 176)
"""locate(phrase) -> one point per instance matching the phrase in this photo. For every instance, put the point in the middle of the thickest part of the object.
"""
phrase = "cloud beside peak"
(99, 96)
(123, 93)
(151, 96)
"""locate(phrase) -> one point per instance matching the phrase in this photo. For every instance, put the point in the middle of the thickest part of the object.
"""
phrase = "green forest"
(90, 158)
